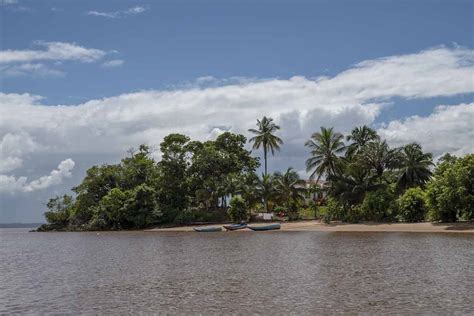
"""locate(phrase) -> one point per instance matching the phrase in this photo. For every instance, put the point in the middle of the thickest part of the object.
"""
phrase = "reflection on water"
(275, 272)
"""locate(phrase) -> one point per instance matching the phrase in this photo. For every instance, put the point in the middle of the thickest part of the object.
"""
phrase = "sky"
(81, 82)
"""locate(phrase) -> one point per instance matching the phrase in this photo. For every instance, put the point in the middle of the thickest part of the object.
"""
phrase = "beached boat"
(265, 227)
(235, 226)
(207, 229)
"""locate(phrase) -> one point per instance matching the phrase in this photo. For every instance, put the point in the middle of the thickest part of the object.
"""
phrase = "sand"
(317, 226)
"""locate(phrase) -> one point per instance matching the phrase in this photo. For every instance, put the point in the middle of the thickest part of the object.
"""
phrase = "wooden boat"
(207, 229)
(265, 227)
(235, 226)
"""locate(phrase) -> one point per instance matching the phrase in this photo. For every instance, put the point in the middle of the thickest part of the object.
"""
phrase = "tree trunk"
(265, 158)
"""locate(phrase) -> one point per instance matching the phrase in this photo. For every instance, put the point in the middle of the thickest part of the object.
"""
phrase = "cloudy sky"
(81, 82)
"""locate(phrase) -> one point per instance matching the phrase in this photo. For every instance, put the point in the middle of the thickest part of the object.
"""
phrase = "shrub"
(238, 209)
(450, 193)
(334, 211)
(378, 206)
(411, 205)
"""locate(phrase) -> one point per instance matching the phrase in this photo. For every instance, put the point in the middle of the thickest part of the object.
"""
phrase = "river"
(235, 272)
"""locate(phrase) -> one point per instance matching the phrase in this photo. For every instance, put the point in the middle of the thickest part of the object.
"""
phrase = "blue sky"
(131, 72)
(176, 41)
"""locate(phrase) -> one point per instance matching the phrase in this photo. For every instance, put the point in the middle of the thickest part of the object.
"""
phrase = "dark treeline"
(215, 181)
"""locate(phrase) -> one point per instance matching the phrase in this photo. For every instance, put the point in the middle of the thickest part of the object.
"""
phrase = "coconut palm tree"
(265, 189)
(377, 157)
(325, 146)
(289, 187)
(360, 137)
(414, 167)
(265, 137)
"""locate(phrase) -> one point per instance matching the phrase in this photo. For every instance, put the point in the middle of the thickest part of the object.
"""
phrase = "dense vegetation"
(216, 181)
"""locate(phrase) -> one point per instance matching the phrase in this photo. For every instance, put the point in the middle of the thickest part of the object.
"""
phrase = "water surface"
(266, 273)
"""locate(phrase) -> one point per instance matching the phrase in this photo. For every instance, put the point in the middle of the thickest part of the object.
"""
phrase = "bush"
(412, 206)
(378, 206)
(450, 193)
(238, 209)
(334, 211)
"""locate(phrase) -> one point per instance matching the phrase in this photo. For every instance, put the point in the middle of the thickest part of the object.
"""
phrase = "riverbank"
(361, 227)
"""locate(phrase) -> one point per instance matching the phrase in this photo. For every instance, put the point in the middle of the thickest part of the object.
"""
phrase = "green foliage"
(412, 205)
(379, 205)
(450, 193)
(60, 210)
(265, 137)
(325, 146)
(334, 211)
(414, 167)
(238, 209)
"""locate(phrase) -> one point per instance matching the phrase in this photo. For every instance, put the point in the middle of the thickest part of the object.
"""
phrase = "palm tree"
(289, 187)
(360, 137)
(326, 146)
(377, 157)
(414, 167)
(265, 190)
(265, 137)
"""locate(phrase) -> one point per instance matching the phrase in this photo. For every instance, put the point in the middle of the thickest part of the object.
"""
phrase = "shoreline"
(317, 226)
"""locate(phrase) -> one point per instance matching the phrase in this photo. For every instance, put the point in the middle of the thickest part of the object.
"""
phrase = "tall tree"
(414, 167)
(265, 137)
(378, 157)
(325, 146)
(360, 137)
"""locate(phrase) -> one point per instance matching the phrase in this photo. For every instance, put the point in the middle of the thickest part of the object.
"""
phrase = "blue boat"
(235, 226)
(207, 229)
(265, 227)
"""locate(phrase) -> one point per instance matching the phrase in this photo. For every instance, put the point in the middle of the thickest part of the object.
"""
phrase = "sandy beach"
(317, 226)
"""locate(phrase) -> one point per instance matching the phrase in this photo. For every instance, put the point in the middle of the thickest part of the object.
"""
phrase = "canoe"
(235, 226)
(207, 229)
(265, 227)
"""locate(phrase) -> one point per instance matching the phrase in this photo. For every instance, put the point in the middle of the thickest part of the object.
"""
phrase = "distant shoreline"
(317, 226)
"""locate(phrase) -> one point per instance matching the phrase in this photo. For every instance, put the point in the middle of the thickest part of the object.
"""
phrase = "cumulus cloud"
(300, 105)
(119, 13)
(448, 129)
(113, 63)
(11, 184)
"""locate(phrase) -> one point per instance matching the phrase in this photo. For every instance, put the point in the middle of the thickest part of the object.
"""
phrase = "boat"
(207, 229)
(235, 226)
(265, 227)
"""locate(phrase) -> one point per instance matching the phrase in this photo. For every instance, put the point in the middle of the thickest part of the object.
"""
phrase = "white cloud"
(300, 105)
(113, 63)
(29, 69)
(119, 13)
(11, 184)
(448, 129)
(8, 2)
(53, 51)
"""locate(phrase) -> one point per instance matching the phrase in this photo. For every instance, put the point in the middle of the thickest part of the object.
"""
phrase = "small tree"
(238, 209)
(412, 206)
(378, 205)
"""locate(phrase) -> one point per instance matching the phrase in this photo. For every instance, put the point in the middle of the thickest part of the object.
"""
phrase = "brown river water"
(222, 273)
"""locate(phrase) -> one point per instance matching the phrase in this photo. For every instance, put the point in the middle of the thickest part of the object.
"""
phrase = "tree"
(412, 205)
(265, 137)
(414, 167)
(379, 205)
(289, 188)
(378, 157)
(360, 137)
(60, 210)
(238, 209)
(450, 193)
(325, 146)
(265, 190)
